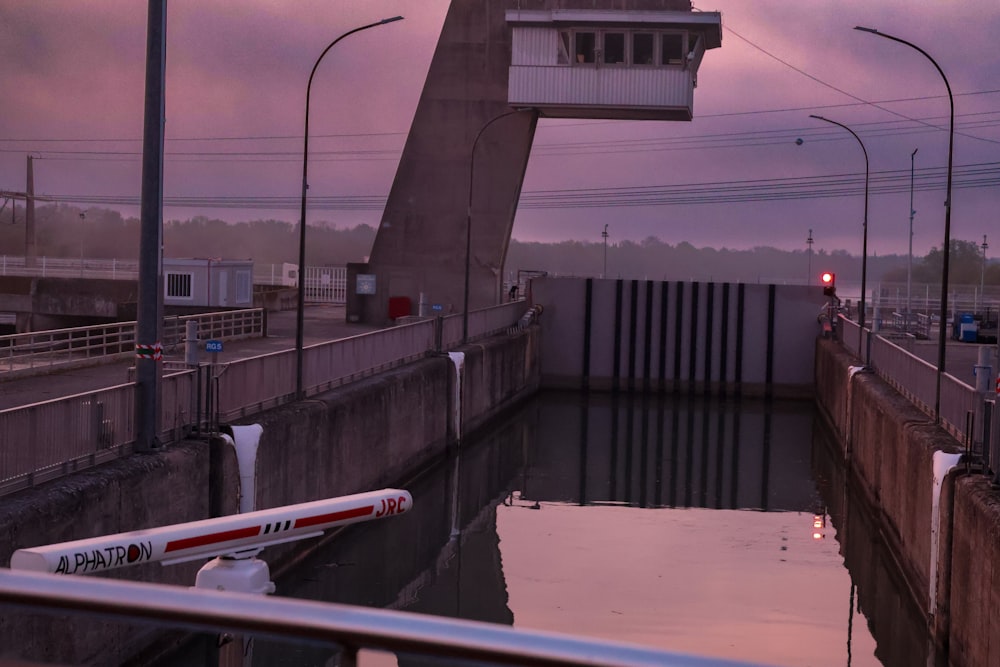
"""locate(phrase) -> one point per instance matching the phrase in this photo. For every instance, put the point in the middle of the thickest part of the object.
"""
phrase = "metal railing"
(58, 267)
(914, 378)
(63, 347)
(45, 440)
(338, 626)
(52, 438)
(323, 284)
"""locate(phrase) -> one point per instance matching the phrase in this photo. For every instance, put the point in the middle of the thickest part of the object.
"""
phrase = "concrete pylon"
(421, 242)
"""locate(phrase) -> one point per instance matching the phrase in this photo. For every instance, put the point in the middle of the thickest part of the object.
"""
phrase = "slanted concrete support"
(420, 246)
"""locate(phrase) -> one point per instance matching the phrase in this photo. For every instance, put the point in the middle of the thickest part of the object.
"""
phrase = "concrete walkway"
(321, 324)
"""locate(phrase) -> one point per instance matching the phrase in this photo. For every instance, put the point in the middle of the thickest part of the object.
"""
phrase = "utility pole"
(982, 273)
(604, 272)
(30, 250)
(149, 324)
(83, 217)
(809, 255)
(909, 263)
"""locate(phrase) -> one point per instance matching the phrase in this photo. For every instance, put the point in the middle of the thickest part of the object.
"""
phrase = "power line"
(841, 91)
(353, 135)
(758, 190)
(876, 129)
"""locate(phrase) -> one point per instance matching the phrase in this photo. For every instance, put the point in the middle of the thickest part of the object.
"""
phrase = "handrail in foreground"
(349, 626)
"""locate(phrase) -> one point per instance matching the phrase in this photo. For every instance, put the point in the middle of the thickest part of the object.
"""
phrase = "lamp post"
(83, 217)
(909, 261)
(604, 234)
(300, 307)
(468, 220)
(809, 258)
(946, 248)
(864, 244)
(982, 273)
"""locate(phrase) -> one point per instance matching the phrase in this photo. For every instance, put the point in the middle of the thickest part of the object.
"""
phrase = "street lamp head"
(394, 18)
(863, 29)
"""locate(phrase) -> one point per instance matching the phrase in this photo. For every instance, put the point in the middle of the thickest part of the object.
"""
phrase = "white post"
(191, 343)
(422, 305)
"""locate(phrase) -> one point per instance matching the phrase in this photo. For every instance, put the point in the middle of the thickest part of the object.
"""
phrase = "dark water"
(714, 528)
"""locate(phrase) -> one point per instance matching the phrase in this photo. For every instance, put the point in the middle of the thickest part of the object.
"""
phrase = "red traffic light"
(829, 283)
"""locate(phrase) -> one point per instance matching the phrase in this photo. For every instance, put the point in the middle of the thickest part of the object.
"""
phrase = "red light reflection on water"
(734, 584)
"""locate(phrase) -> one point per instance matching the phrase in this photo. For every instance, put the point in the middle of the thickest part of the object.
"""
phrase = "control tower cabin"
(499, 65)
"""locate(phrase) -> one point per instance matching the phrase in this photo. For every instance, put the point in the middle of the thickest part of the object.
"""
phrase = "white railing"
(914, 378)
(323, 284)
(910, 375)
(848, 333)
(64, 347)
(58, 347)
(326, 284)
(48, 439)
(58, 267)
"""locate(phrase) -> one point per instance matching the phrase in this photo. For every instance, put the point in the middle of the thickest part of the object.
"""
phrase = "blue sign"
(365, 283)
(437, 306)
(213, 346)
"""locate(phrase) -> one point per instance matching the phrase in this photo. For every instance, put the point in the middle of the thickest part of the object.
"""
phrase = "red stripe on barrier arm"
(334, 516)
(212, 538)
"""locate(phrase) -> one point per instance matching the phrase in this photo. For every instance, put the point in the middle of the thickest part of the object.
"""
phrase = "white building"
(212, 282)
(615, 64)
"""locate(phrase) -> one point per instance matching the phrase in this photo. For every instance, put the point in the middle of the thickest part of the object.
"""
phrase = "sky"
(72, 76)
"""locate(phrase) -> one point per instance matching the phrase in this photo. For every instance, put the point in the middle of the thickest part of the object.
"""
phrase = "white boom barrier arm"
(237, 536)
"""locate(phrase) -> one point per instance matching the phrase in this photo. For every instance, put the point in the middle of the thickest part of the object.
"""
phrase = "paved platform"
(321, 324)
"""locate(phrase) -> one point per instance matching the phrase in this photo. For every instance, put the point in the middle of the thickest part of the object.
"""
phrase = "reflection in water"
(625, 519)
(894, 616)
(672, 452)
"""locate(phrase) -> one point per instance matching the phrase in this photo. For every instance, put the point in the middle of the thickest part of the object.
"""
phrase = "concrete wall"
(362, 436)
(144, 490)
(974, 628)
(888, 447)
(56, 303)
(692, 337)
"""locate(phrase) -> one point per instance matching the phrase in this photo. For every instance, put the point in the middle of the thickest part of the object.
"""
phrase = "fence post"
(989, 455)
(191, 343)
(984, 376)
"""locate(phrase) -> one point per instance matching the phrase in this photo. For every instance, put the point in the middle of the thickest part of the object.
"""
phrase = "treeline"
(102, 233)
(60, 231)
(653, 259)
